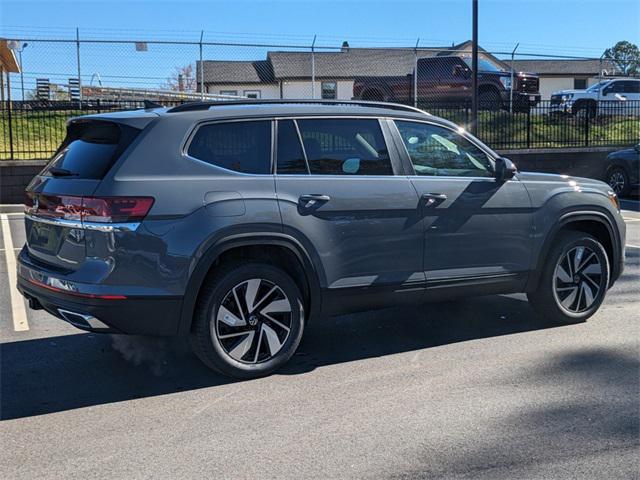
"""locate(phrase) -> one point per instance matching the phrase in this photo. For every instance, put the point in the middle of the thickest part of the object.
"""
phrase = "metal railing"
(34, 129)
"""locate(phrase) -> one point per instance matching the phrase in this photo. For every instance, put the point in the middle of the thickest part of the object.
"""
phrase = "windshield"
(597, 86)
(484, 64)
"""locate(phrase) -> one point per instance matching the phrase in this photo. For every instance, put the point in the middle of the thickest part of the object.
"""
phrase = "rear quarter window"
(239, 146)
(90, 148)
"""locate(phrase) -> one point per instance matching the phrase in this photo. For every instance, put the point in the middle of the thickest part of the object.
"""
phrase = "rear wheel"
(618, 180)
(249, 320)
(574, 280)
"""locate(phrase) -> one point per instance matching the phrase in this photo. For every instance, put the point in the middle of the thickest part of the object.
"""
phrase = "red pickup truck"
(446, 81)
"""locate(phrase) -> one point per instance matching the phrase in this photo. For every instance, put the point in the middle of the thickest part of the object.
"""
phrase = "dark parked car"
(238, 223)
(622, 169)
(446, 81)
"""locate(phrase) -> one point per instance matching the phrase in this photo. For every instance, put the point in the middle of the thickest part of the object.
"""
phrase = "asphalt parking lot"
(481, 388)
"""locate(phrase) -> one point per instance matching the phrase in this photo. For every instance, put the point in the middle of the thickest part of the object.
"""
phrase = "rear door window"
(345, 147)
(239, 146)
(90, 148)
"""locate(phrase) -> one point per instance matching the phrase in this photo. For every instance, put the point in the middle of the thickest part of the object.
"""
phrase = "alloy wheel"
(578, 279)
(617, 181)
(253, 321)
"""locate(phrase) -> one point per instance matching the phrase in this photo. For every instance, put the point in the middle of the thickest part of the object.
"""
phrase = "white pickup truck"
(618, 96)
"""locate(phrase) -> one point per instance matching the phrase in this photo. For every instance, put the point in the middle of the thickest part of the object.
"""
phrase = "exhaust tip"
(83, 321)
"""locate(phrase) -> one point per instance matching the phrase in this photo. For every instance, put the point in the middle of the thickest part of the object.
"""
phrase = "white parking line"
(18, 310)
(632, 246)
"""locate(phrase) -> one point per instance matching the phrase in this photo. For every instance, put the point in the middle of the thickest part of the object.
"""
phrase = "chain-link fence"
(66, 77)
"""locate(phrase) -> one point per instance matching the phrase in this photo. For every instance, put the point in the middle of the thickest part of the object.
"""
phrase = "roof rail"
(194, 106)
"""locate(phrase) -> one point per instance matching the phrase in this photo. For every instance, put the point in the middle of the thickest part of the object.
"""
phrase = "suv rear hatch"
(59, 200)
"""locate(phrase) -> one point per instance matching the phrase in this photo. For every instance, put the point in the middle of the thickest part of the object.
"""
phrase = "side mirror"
(604, 92)
(505, 169)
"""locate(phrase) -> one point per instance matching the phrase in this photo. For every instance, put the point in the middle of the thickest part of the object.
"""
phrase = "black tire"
(220, 354)
(548, 299)
(490, 100)
(618, 180)
(585, 110)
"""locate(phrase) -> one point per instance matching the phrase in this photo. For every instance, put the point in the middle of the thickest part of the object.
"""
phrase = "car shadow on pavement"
(61, 373)
(578, 419)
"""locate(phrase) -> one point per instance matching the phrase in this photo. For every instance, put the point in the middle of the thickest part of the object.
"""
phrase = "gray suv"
(237, 223)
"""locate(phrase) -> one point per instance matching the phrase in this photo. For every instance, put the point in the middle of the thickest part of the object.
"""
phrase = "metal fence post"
(415, 74)
(528, 128)
(586, 130)
(78, 64)
(201, 68)
(513, 54)
(313, 69)
(9, 115)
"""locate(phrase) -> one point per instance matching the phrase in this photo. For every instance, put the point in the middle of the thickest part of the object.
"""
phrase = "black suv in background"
(237, 223)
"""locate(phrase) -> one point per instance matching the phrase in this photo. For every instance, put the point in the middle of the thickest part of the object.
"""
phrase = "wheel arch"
(594, 223)
(246, 242)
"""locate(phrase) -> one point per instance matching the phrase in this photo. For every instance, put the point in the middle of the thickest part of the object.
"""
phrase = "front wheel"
(618, 180)
(249, 320)
(574, 279)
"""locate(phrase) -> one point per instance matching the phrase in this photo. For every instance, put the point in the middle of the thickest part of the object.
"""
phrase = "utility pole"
(474, 67)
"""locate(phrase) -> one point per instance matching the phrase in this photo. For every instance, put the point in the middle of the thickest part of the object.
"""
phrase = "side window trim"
(407, 158)
(304, 150)
(194, 129)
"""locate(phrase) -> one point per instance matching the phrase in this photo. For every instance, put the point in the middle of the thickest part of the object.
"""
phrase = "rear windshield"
(89, 149)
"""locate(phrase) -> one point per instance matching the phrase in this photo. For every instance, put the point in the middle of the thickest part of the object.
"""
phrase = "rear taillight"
(115, 209)
(89, 209)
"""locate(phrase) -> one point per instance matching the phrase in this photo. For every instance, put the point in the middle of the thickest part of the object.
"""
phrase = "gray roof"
(233, 71)
(347, 63)
(563, 67)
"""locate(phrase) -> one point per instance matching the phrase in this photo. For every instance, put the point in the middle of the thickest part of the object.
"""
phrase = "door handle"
(431, 198)
(312, 198)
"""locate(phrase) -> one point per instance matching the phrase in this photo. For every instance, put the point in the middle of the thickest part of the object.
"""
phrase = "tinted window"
(630, 86)
(90, 148)
(345, 147)
(290, 156)
(240, 146)
(436, 150)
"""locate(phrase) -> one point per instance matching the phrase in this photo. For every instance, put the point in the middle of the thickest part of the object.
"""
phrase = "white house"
(288, 74)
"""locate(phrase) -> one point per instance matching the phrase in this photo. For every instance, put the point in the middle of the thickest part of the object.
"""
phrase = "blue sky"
(569, 27)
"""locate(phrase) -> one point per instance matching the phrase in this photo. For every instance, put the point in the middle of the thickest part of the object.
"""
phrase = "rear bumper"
(117, 313)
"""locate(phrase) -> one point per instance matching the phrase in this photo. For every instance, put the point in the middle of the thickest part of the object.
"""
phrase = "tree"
(183, 79)
(625, 56)
(56, 92)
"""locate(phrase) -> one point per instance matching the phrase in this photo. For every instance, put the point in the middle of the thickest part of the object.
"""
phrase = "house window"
(251, 93)
(229, 92)
(580, 83)
(329, 90)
